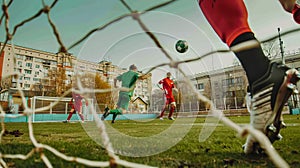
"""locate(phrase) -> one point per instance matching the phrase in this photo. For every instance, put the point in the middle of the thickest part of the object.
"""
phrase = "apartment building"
(32, 69)
(227, 87)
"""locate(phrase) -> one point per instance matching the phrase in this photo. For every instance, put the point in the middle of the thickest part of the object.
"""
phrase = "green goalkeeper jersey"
(128, 80)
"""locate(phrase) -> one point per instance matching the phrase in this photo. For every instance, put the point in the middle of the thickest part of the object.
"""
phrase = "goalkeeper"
(76, 106)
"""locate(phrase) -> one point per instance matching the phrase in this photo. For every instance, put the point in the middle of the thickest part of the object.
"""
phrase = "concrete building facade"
(32, 69)
(227, 87)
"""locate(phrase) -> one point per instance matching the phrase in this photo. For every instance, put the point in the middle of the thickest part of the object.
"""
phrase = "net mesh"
(171, 63)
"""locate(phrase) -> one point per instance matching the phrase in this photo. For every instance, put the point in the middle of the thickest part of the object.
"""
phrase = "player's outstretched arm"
(145, 76)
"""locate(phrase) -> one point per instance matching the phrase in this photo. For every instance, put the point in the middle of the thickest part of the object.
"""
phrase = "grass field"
(221, 149)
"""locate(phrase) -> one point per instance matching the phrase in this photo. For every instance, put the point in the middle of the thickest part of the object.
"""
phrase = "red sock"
(162, 112)
(81, 116)
(171, 111)
(69, 117)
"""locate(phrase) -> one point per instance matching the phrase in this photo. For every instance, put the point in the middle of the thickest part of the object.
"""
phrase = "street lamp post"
(281, 46)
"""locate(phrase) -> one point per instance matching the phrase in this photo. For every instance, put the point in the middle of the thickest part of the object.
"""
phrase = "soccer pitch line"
(195, 124)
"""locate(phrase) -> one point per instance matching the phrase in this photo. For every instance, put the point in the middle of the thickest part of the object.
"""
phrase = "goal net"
(56, 109)
(123, 52)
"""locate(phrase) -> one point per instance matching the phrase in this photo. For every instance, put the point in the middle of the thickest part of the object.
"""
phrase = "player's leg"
(81, 116)
(229, 20)
(114, 117)
(270, 85)
(163, 111)
(123, 103)
(266, 79)
(70, 115)
(172, 108)
(115, 113)
(106, 113)
(268, 96)
(161, 116)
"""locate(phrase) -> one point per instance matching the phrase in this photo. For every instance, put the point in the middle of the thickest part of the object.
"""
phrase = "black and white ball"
(181, 46)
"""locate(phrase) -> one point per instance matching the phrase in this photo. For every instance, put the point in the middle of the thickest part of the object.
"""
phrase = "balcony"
(46, 64)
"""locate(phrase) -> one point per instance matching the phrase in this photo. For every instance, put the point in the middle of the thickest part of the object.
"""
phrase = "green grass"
(221, 149)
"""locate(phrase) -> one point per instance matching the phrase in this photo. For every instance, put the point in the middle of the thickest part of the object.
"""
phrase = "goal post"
(46, 108)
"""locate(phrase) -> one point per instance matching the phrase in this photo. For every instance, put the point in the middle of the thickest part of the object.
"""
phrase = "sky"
(125, 43)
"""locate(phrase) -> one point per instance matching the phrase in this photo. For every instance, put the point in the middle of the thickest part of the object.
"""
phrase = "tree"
(4, 87)
(94, 81)
(271, 49)
(7, 82)
(57, 81)
(105, 98)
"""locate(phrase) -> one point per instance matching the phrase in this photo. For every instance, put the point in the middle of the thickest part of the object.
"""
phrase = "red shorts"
(170, 100)
(229, 19)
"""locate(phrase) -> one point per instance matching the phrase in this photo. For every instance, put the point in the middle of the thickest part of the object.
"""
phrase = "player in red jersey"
(270, 83)
(167, 86)
(76, 106)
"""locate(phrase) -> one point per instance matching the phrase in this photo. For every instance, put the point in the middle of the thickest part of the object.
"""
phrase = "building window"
(36, 79)
(228, 82)
(27, 85)
(19, 57)
(28, 58)
(37, 66)
(200, 86)
(229, 94)
(239, 80)
(66, 64)
(28, 64)
(27, 78)
(27, 71)
(39, 60)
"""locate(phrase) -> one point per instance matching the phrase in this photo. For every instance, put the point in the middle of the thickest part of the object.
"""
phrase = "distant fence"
(75, 118)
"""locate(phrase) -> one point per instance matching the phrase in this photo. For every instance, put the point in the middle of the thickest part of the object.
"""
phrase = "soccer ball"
(181, 46)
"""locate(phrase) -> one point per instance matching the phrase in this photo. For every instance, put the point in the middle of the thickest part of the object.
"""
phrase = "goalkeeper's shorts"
(123, 101)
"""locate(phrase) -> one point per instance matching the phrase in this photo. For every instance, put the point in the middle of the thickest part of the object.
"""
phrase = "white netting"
(101, 128)
(56, 105)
